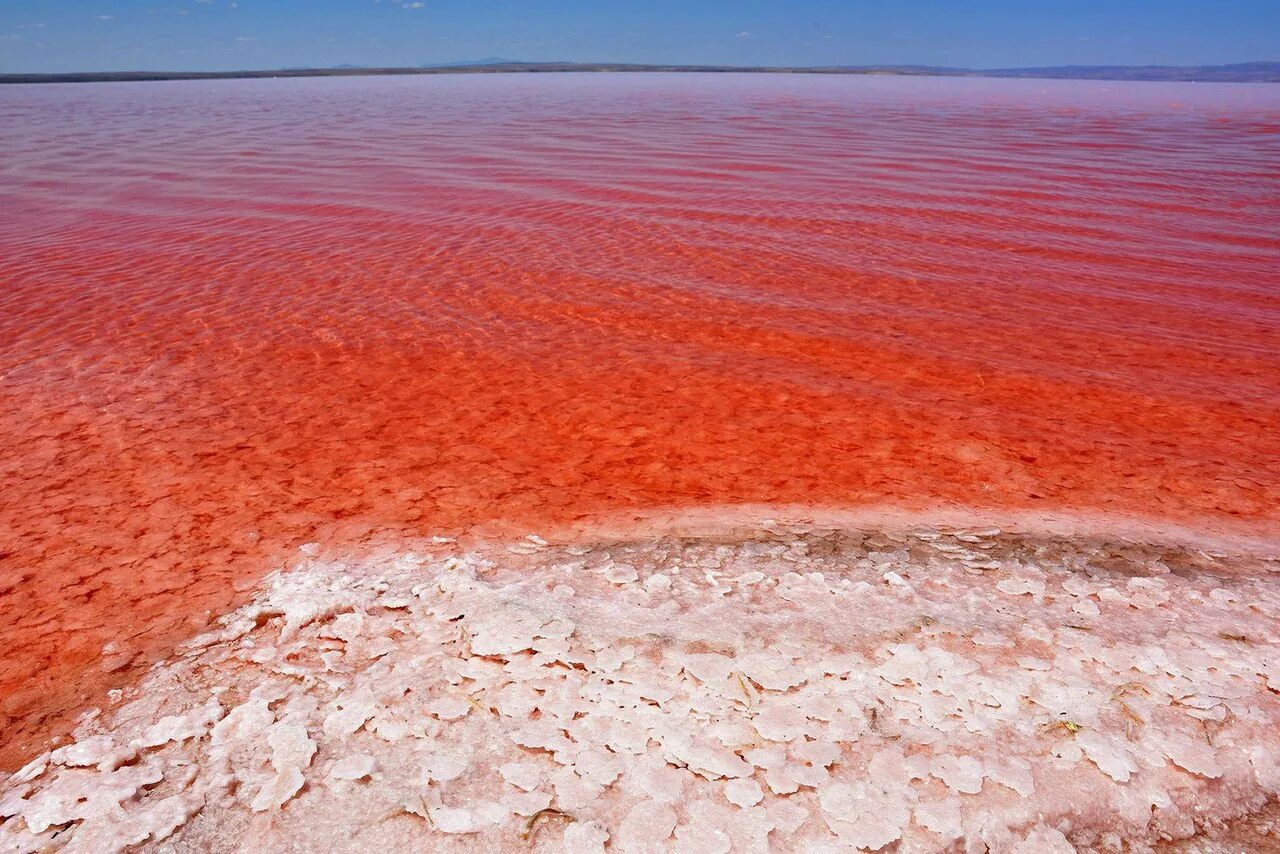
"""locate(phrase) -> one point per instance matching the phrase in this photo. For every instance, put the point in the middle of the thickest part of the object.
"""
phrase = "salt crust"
(800, 690)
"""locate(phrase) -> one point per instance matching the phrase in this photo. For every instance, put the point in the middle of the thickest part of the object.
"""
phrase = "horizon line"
(1262, 71)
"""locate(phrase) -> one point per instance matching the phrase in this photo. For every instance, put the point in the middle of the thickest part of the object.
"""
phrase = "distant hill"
(1243, 72)
(471, 63)
(1246, 72)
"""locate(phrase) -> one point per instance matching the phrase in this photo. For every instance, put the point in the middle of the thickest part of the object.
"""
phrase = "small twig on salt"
(531, 826)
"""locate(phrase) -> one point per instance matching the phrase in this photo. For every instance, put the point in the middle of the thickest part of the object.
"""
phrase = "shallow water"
(240, 316)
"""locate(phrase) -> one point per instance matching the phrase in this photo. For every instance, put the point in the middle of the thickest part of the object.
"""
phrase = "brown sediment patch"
(743, 520)
(789, 683)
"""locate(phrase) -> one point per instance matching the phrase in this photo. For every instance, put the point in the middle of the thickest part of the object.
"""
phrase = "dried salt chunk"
(699, 836)
(780, 722)
(787, 815)
(1110, 594)
(379, 647)
(278, 790)
(1047, 840)
(1086, 608)
(14, 802)
(543, 733)
(1194, 756)
(160, 819)
(351, 713)
(444, 766)
(821, 753)
(599, 766)
(345, 627)
(526, 803)
(905, 662)
(941, 817)
(711, 762)
(608, 660)
(657, 582)
(31, 770)
(863, 816)
(516, 701)
(243, 723)
(962, 773)
(522, 775)
(1067, 750)
(647, 827)
(181, 727)
(77, 795)
(838, 665)
(560, 628)
(449, 708)
(655, 780)
(743, 793)
(1077, 585)
(621, 574)
(806, 775)
(290, 747)
(1019, 586)
(772, 670)
(916, 766)
(1110, 757)
(354, 767)
(780, 782)
(1266, 767)
(454, 820)
(820, 707)
(89, 751)
(889, 767)
(572, 791)
(1013, 776)
(749, 578)
(710, 668)
(501, 637)
(584, 837)
(750, 829)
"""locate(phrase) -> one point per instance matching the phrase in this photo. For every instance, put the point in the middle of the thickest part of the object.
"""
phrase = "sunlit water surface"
(239, 316)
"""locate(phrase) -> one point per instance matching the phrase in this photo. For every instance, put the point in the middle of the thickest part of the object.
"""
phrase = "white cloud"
(106, 17)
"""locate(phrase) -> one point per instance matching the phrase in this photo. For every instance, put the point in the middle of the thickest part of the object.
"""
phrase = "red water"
(239, 316)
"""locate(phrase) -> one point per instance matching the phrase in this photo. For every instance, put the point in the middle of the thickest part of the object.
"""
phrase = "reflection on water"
(240, 316)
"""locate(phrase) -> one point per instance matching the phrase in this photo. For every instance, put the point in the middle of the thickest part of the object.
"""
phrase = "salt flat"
(768, 685)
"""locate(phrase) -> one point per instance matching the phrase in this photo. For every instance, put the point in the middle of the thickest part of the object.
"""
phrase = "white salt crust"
(801, 690)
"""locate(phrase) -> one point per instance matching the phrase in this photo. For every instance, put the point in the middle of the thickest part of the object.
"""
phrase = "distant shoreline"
(1251, 72)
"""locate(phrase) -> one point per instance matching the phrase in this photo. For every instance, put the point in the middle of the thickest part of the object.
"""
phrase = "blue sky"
(73, 35)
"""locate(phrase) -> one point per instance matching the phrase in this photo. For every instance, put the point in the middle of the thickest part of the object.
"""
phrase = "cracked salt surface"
(796, 689)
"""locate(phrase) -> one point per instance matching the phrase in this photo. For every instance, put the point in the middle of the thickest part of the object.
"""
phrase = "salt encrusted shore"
(802, 685)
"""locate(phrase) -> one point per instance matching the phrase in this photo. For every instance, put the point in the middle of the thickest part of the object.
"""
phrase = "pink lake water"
(240, 316)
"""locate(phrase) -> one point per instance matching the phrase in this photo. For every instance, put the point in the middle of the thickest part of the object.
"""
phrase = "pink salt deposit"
(757, 685)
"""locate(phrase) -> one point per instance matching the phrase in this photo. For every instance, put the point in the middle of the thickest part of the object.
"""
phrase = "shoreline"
(1260, 538)
(908, 681)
